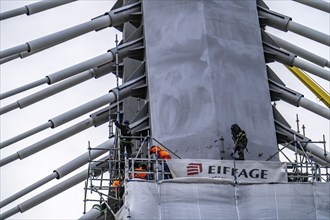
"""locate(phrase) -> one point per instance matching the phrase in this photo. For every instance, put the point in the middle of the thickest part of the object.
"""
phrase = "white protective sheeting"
(199, 199)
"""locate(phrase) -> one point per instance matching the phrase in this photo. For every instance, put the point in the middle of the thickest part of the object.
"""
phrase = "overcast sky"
(18, 30)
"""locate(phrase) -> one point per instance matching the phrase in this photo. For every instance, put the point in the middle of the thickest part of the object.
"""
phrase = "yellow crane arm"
(321, 93)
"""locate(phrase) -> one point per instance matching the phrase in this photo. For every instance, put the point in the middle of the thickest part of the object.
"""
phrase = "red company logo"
(194, 168)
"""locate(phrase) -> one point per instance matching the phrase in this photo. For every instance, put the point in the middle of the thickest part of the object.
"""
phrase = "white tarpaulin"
(242, 171)
(192, 198)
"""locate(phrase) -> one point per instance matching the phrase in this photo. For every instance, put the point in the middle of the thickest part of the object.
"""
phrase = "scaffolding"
(122, 170)
(116, 170)
(109, 179)
(304, 168)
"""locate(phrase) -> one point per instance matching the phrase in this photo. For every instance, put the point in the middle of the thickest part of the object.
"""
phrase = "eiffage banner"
(242, 171)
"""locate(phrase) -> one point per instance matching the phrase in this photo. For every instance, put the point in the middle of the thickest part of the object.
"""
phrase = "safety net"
(205, 198)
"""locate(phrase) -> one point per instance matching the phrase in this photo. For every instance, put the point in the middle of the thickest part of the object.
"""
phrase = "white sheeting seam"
(159, 199)
(314, 197)
(236, 201)
(275, 197)
(197, 195)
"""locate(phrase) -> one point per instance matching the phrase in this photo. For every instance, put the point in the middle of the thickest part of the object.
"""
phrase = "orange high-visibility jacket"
(140, 175)
(116, 183)
(162, 154)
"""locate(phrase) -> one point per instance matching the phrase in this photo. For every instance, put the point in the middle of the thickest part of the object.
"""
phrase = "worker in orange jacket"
(161, 153)
(116, 183)
(117, 188)
(140, 169)
(116, 193)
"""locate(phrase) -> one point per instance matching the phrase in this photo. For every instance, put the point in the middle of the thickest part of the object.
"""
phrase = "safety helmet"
(126, 122)
(155, 148)
(235, 129)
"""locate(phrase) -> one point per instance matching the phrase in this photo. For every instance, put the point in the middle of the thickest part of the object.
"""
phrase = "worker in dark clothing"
(125, 141)
(240, 141)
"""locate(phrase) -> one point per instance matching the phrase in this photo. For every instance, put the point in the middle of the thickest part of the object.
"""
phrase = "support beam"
(57, 189)
(63, 170)
(289, 59)
(58, 87)
(40, 198)
(320, 93)
(33, 8)
(285, 23)
(311, 156)
(28, 189)
(112, 18)
(60, 75)
(22, 89)
(51, 140)
(309, 33)
(26, 134)
(123, 51)
(94, 213)
(313, 69)
(301, 52)
(319, 4)
(294, 98)
(124, 91)
(312, 148)
(305, 103)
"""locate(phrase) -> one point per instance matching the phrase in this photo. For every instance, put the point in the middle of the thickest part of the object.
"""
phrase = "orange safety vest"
(140, 175)
(116, 183)
(162, 154)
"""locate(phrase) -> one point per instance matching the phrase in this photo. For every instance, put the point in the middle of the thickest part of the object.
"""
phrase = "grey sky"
(18, 30)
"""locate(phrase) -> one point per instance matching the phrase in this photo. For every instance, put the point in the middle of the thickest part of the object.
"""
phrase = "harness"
(239, 138)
